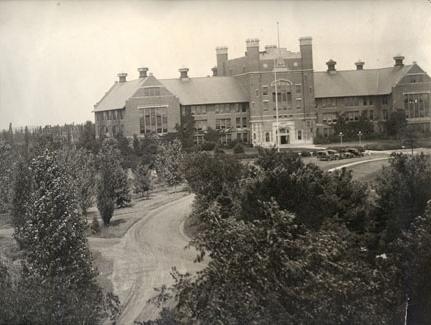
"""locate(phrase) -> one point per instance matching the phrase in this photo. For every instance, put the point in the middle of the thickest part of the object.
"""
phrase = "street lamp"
(360, 135)
(341, 137)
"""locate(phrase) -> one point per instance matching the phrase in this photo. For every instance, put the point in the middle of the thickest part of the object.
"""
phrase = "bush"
(95, 227)
(238, 148)
(208, 146)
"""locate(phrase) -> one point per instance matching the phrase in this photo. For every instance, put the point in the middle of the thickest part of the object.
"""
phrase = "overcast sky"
(58, 58)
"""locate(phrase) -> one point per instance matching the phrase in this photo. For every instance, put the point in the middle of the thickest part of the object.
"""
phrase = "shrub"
(208, 146)
(238, 148)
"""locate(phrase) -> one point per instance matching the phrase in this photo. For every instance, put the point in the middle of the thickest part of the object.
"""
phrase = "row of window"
(284, 105)
(154, 120)
(113, 115)
(152, 91)
(416, 105)
(218, 108)
(349, 101)
(225, 123)
(281, 85)
(113, 130)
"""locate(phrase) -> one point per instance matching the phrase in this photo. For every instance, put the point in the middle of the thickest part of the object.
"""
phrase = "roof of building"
(117, 96)
(273, 53)
(206, 90)
(357, 82)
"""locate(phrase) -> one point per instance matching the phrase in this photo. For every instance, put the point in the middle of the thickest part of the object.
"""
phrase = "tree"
(58, 284)
(212, 135)
(288, 181)
(81, 165)
(403, 190)
(168, 162)
(6, 172)
(87, 138)
(21, 190)
(187, 129)
(413, 255)
(274, 271)
(396, 123)
(142, 179)
(111, 185)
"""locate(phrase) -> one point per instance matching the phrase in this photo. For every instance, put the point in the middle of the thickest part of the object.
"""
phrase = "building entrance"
(284, 136)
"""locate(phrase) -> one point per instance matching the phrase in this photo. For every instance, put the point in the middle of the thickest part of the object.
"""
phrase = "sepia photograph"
(215, 162)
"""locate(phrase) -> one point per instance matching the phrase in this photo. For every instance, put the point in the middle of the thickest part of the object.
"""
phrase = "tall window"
(154, 120)
(222, 123)
(416, 105)
(264, 90)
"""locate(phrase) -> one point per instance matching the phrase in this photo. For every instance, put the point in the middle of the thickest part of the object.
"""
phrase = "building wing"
(207, 90)
(117, 96)
(358, 82)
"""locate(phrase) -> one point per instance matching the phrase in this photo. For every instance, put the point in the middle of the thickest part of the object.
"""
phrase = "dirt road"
(144, 257)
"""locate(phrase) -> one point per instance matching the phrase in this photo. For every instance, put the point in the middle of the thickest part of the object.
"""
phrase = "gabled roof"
(358, 82)
(206, 90)
(117, 96)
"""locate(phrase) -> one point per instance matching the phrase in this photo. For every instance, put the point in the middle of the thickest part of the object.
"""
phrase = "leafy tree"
(21, 190)
(6, 171)
(274, 271)
(87, 138)
(413, 255)
(350, 129)
(187, 129)
(168, 162)
(58, 285)
(396, 123)
(238, 148)
(81, 165)
(214, 179)
(403, 190)
(142, 180)
(111, 184)
(287, 180)
(212, 135)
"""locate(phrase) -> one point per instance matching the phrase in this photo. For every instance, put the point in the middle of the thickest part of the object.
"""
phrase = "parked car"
(346, 155)
(327, 155)
(323, 155)
(334, 154)
(356, 152)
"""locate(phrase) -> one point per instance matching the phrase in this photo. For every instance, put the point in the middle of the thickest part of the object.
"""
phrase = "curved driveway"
(144, 257)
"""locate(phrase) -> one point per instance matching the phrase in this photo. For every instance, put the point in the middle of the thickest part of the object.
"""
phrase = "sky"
(58, 58)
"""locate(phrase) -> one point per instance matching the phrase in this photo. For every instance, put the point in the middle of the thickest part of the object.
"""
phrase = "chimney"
(183, 73)
(221, 52)
(214, 70)
(252, 55)
(360, 65)
(331, 66)
(122, 77)
(143, 72)
(306, 48)
(398, 61)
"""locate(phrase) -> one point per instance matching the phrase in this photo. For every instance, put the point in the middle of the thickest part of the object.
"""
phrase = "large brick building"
(241, 97)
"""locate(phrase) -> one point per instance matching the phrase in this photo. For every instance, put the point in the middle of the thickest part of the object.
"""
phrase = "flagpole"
(277, 134)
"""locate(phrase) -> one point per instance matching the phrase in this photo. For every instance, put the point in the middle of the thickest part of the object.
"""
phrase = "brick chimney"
(122, 77)
(360, 65)
(222, 58)
(142, 72)
(331, 66)
(184, 73)
(398, 61)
